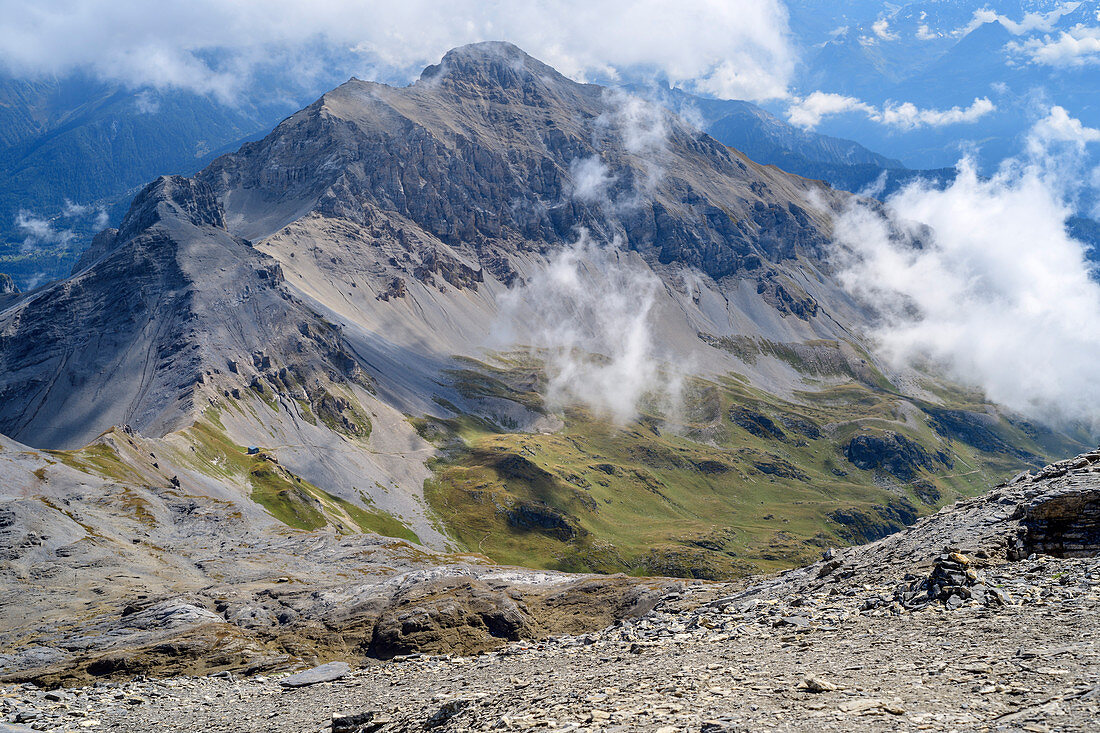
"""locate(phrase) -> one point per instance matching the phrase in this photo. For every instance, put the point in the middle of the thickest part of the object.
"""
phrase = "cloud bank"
(995, 290)
(809, 111)
(733, 50)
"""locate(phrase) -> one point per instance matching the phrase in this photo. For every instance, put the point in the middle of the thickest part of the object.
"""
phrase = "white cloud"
(38, 230)
(908, 116)
(588, 312)
(588, 315)
(924, 33)
(633, 125)
(1033, 21)
(995, 290)
(641, 126)
(147, 103)
(734, 50)
(80, 211)
(71, 210)
(1079, 46)
(809, 111)
(591, 179)
(881, 27)
(1059, 127)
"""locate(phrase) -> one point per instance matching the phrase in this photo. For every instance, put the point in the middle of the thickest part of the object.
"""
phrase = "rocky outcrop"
(1008, 646)
(7, 285)
(893, 453)
(1063, 524)
(466, 616)
(1053, 511)
(859, 525)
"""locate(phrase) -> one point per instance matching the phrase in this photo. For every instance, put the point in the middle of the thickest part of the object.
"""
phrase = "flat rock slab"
(324, 673)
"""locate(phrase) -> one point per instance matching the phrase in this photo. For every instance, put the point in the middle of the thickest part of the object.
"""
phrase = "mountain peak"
(495, 63)
(172, 196)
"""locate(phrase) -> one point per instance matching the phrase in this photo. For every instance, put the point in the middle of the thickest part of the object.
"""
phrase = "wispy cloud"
(628, 125)
(640, 127)
(881, 28)
(39, 230)
(589, 314)
(146, 102)
(809, 111)
(589, 311)
(592, 180)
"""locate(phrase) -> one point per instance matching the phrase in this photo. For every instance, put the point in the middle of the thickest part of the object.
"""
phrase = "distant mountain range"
(935, 54)
(767, 139)
(74, 150)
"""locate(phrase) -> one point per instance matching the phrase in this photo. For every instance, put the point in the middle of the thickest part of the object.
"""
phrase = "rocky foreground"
(981, 617)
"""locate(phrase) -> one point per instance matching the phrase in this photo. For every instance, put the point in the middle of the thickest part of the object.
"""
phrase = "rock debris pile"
(952, 582)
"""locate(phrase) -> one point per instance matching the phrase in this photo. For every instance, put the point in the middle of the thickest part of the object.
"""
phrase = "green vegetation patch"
(100, 459)
(289, 498)
(284, 496)
(743, 482)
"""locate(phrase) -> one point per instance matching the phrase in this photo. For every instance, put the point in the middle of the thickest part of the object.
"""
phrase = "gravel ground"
(839, 659)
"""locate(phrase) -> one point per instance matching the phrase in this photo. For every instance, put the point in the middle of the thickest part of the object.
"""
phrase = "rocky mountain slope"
(306, 337)
(163, 570)
(1001, 640)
